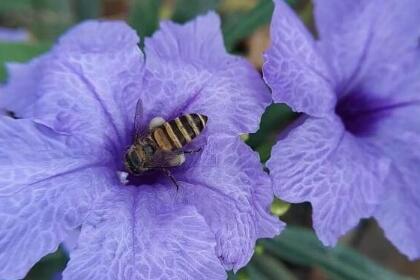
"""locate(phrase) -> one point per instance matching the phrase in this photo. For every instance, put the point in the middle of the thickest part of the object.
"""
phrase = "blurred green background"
(364, 253)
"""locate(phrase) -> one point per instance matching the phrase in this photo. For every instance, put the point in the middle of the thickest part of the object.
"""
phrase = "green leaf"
(186, 10)
(48, 266)
(232, 276)
(14, 5)
(85, 9)
(242, 26)
(51, 18)
(255, 274)
(262, 267)
(239, 26)
(272, 268)
(300, 246)
(46, 19)
(18, 52)
(276, 118)
(144, 16)
(240, 275)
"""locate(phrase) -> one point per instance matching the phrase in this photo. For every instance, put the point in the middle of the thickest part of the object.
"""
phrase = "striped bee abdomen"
(176, 133)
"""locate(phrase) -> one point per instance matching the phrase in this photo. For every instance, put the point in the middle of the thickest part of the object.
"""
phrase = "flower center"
(147, 178)
(361, 114)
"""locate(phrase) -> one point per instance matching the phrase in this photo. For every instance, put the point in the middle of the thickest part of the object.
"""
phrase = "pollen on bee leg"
(177, 160)
(122, 175)
(155, 122)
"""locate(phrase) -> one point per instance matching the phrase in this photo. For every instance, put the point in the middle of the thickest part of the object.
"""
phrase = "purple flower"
(354, 151)
(13, 35)
(59, 163)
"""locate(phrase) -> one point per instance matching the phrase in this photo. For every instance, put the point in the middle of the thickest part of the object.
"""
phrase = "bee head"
(133, 162)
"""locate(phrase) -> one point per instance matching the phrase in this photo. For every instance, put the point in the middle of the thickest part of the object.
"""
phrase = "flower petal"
(396, 136)
(227, 185)
(142, 233)
(47, 186)
(13, 35)
(354, 34)
(342, 178)
(92, 84)
(21, 90)
(399, 211)
(188, 70)
(293, 68)
(95, 36)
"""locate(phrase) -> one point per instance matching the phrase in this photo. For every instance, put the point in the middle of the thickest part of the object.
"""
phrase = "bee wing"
(164, 159)
(138, 116)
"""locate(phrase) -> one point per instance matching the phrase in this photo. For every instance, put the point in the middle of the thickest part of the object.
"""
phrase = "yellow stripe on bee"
(192, 124)
(202, 120)
(162, 140)
(182, 129)
(172, 135)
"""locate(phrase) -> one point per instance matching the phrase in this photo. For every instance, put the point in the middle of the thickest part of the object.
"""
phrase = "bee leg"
(169, 174)
(193, 151)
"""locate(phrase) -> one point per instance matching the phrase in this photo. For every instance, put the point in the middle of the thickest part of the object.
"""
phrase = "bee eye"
(134, 159)
(148, 149)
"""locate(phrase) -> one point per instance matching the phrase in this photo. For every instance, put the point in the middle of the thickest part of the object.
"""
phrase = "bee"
(161, 147)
